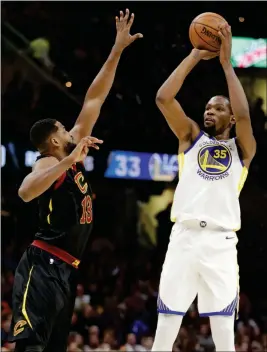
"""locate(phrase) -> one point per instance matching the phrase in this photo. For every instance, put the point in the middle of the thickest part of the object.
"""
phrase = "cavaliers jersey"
(65, 211)
(211, 176)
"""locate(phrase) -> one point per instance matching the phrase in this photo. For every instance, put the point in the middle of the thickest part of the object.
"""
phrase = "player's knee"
(167, 330)
(222, 329)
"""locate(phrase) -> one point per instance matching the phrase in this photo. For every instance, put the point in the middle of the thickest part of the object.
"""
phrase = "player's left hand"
(123, 25)
(203, 54)
(92, 142)
(225, 34)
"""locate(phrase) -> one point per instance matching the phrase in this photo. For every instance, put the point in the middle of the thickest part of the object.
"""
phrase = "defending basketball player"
(201, 258)
(45, 279)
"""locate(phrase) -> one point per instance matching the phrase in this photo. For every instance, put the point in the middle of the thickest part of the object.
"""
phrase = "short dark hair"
(40, 132)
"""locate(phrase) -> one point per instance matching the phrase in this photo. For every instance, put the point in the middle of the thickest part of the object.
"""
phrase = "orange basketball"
(203, 31)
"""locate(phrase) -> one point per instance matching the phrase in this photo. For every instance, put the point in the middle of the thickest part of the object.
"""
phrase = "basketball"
(203, 31)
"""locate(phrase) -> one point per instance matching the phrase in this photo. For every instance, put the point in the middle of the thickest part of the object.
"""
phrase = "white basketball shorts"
(203, 262)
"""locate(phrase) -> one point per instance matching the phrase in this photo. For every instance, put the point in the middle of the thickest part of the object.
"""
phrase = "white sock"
(167, 331)
(222, 329)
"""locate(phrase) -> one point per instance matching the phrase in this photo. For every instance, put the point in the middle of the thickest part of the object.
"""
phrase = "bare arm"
(179, 123)
(239, 103)
(103, 82)
(182, 126)
(47, 170)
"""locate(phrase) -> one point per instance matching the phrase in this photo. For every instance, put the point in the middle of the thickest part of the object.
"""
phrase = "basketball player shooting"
(201, 258)
(45, 279)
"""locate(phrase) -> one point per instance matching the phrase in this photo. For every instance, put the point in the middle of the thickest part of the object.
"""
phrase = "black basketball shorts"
(43, 299)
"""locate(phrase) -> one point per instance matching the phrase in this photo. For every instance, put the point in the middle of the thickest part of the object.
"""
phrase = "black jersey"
(65, 212)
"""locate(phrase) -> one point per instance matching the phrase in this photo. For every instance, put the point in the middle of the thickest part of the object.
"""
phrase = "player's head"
(218, 116)
(49, 135)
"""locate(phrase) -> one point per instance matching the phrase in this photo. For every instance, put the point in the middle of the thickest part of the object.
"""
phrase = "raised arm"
(47, 170)
(182, 126)
(102, 84)
(238, 100)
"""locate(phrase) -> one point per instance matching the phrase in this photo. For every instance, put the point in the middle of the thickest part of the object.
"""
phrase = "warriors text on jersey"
(211, 176)
(65, 212)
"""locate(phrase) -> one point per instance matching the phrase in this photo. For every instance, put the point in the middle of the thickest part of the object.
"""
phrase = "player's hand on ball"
(82, 148)
(204, 54)
(123, 26)
(225, 34)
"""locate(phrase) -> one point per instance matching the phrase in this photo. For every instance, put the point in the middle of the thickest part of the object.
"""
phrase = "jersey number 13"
(87, 211)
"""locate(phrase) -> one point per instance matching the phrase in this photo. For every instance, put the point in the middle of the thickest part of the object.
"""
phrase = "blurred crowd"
(115, 307)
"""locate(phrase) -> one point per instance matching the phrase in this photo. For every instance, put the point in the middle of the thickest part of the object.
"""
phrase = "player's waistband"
(201, 225)
(57, 252)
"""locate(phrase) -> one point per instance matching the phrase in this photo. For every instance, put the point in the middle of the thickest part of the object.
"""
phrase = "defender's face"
(217, 115)
(64, 139)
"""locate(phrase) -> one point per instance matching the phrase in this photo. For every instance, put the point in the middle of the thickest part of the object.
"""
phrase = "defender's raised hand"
(225, 34)
(81, 150)
(123, 25)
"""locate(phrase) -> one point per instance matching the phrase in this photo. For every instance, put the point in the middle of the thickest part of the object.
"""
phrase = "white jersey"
(211, 176)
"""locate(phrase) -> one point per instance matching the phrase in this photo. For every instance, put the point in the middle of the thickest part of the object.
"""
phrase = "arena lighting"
(68, 84)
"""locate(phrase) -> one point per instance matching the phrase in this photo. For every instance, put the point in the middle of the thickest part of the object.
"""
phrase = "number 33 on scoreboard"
(128, 166)
(87, 210)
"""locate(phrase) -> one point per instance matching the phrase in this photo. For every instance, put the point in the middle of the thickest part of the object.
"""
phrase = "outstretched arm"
(102, 84)
(47, 170)
(182, 126)
(238, 100)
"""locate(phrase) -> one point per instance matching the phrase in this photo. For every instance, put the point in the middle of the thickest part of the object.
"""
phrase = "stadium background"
(116, 298)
